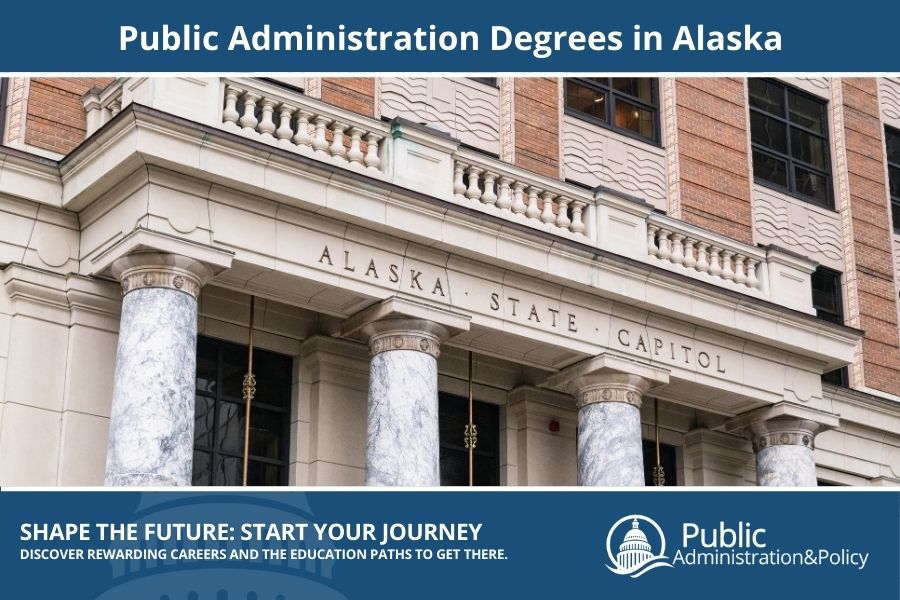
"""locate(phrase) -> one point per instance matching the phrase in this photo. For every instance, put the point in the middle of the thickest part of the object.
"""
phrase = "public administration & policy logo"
(636, 554)
(641, 547)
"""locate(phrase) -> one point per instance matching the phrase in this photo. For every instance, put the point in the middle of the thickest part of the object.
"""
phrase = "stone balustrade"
(100, 106)
(497, 189)
(428, 161)
(304, 126)
(721, 259)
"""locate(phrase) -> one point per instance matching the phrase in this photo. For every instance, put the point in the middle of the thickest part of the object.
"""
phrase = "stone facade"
(382, 253)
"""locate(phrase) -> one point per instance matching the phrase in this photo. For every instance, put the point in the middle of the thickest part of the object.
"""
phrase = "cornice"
(119, 141)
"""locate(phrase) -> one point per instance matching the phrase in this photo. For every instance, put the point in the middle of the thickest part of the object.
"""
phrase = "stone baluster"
(230, 115)
(727, 265)
(547, 216)
(266, 125)
(284, 133)
(752, 279)
(302, 138)
(373, 158)
(578, 225)
(355, 154)
(248, 120)
(459, 184)
(665, 249)
(504, 197)
(337, 148)
(652, 248)
(690, 261)
(702, 257)
(562, 216)
(740, 277)
(518, 206)
(715, 267)
(320, 141)
(533, 212)
(677, 249)
(489, 197)
(473, 192)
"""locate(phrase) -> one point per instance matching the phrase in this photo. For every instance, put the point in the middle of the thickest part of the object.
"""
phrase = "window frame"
(843, 374)
(218, 397)
(894, 195)
(791, 188)
(493, 82)
(4, 90)
(612, 94)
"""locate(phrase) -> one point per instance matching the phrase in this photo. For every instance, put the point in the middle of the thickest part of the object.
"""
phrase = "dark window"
(491, 81)
(626, 104)
(892, 144)
(453, 418)
(666, 459)
(827, 300)
(219, 415)
(789, 131)
(3, 85)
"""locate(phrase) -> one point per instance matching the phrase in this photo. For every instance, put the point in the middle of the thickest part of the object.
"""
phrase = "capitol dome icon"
(636, 553)
(635, 550)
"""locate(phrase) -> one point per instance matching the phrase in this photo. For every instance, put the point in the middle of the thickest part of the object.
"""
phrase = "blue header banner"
(427, 544)
(462, 36)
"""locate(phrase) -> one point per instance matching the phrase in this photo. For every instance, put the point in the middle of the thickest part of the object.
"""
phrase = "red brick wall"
(352, 93)
(871, 235)
(537, 124)
(55, 120)
(712, 154)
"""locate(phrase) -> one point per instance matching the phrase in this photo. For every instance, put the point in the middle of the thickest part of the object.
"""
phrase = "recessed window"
(829, 305)
(626, 104)
(666, 460)
(789, 131)
(219, 415)
(491, 81)
(892, 144)
(453, 417)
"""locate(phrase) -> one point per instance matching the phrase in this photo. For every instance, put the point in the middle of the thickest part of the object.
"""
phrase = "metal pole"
(249, 389)
(659, 476)
(471, 435)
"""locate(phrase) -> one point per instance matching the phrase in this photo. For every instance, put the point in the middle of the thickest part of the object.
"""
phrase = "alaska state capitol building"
(641, 281)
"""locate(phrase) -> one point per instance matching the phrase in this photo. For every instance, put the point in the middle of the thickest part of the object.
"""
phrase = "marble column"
(783, 438)
(403, 439)
(610, 449)
(151, 434)
(608, 391)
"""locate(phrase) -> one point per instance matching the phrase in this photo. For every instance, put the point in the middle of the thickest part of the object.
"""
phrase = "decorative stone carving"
(595, 156)
(161, 277)
(405, 341)
(613, 393)
(468, 110)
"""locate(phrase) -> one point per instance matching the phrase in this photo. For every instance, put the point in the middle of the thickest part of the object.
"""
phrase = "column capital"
(160, 270)
(608, 377)
(782, 424)
(400, 324)
(142, 247)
